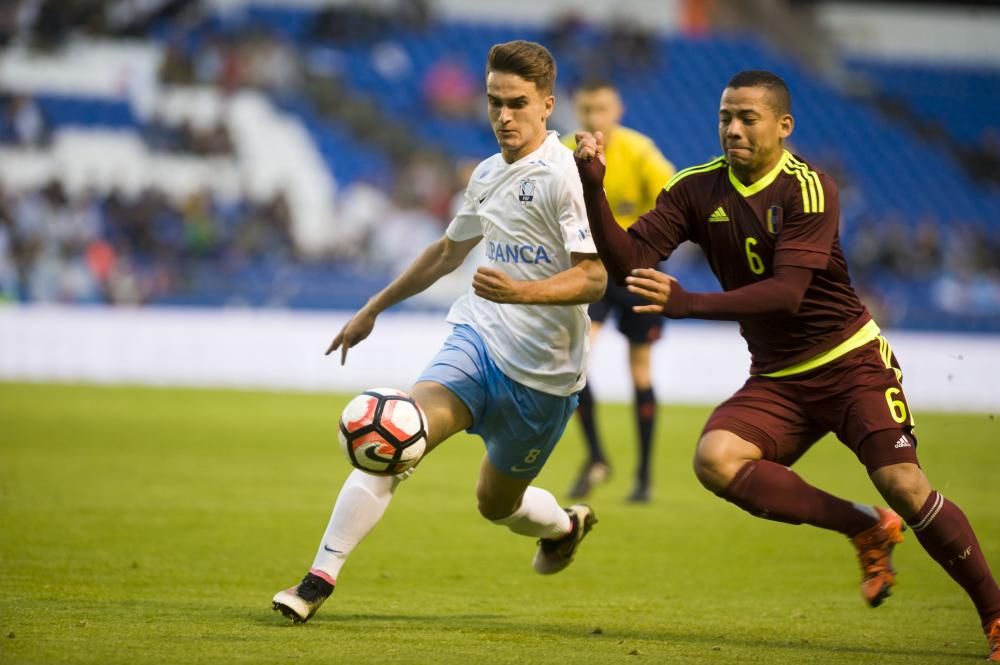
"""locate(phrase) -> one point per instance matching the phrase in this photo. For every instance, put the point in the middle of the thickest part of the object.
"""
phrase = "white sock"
(360, 505)
(540, 516)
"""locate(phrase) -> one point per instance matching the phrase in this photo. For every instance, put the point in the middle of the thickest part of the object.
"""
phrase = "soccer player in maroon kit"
(768, 224)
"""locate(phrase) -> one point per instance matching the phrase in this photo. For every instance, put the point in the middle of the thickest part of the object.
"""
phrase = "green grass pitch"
(145, 526)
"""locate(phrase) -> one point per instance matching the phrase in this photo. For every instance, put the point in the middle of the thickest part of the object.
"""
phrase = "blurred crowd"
(254, 59)
(128, 249)
(982, 160)
(22, 121)
(141, 247)
(958, 261)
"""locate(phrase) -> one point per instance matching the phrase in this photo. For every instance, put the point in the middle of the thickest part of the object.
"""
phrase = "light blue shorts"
(520, 425)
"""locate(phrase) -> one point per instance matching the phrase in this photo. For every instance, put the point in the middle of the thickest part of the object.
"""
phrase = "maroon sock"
(645, 419)
(943, 530)
(588, 421)
(775, 492)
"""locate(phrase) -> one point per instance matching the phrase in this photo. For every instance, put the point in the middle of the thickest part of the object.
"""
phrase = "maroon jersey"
(790, 217)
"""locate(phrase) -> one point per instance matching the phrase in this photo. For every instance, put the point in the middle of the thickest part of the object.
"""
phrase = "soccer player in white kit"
(514, 363)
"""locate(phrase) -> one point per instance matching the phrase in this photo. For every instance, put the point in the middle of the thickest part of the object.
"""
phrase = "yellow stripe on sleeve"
(806, 201)
(808, 186)
(813, 197)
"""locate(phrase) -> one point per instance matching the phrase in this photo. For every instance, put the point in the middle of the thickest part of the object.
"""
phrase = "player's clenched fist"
(496, 285)
(652, 285)
(588, 147)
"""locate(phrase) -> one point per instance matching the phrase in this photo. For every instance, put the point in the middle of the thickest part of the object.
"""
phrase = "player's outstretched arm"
(779, 295)
(620, 251)
(440, 258)
(583, 283)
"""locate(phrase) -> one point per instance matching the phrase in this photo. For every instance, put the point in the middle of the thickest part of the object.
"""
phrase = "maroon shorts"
(858, 397)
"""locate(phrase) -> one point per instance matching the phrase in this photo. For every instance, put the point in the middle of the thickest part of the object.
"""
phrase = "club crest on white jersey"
(526, 191)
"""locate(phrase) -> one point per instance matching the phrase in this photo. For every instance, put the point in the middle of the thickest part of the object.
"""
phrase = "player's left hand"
(496, 285)
(652, 285)
(590, 160)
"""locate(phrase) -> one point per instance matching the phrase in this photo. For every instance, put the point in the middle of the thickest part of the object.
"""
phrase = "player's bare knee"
(492, 507)
(702, 470)
(904, 486)
(639, 366)
(495, 511)
(719, 457)
(712, 467)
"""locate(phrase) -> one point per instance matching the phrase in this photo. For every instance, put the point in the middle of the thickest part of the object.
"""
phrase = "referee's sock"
(645, 418)
(589, 423)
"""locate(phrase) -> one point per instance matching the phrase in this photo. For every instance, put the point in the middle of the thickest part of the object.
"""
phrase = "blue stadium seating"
(893, 171)
(676, 104)
(64, 110)
(347, 158)
(962, 100)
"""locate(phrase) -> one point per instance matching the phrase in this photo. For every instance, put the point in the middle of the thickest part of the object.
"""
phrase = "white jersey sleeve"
(467, 224)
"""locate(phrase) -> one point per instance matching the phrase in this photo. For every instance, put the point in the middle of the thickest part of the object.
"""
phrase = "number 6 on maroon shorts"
(859, 397)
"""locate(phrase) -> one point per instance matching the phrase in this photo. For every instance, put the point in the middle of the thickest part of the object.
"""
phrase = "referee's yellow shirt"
(637, 172)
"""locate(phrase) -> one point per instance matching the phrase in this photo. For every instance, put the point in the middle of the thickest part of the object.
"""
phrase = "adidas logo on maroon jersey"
(719, 215)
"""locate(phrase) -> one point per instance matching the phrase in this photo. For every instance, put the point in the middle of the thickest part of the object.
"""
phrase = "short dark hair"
(590, 85)
(781, 99)
(529, 60)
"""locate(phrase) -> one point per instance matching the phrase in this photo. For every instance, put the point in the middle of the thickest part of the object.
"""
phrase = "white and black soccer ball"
(383, 431)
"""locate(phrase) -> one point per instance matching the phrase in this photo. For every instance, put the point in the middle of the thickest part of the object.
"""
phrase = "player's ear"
(786, 124)
(548, 106)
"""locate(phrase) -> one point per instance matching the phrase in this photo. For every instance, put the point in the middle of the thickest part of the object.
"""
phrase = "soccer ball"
(383, 431)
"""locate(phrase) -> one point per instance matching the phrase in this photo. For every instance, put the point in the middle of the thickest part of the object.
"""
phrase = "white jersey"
(531, 216)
